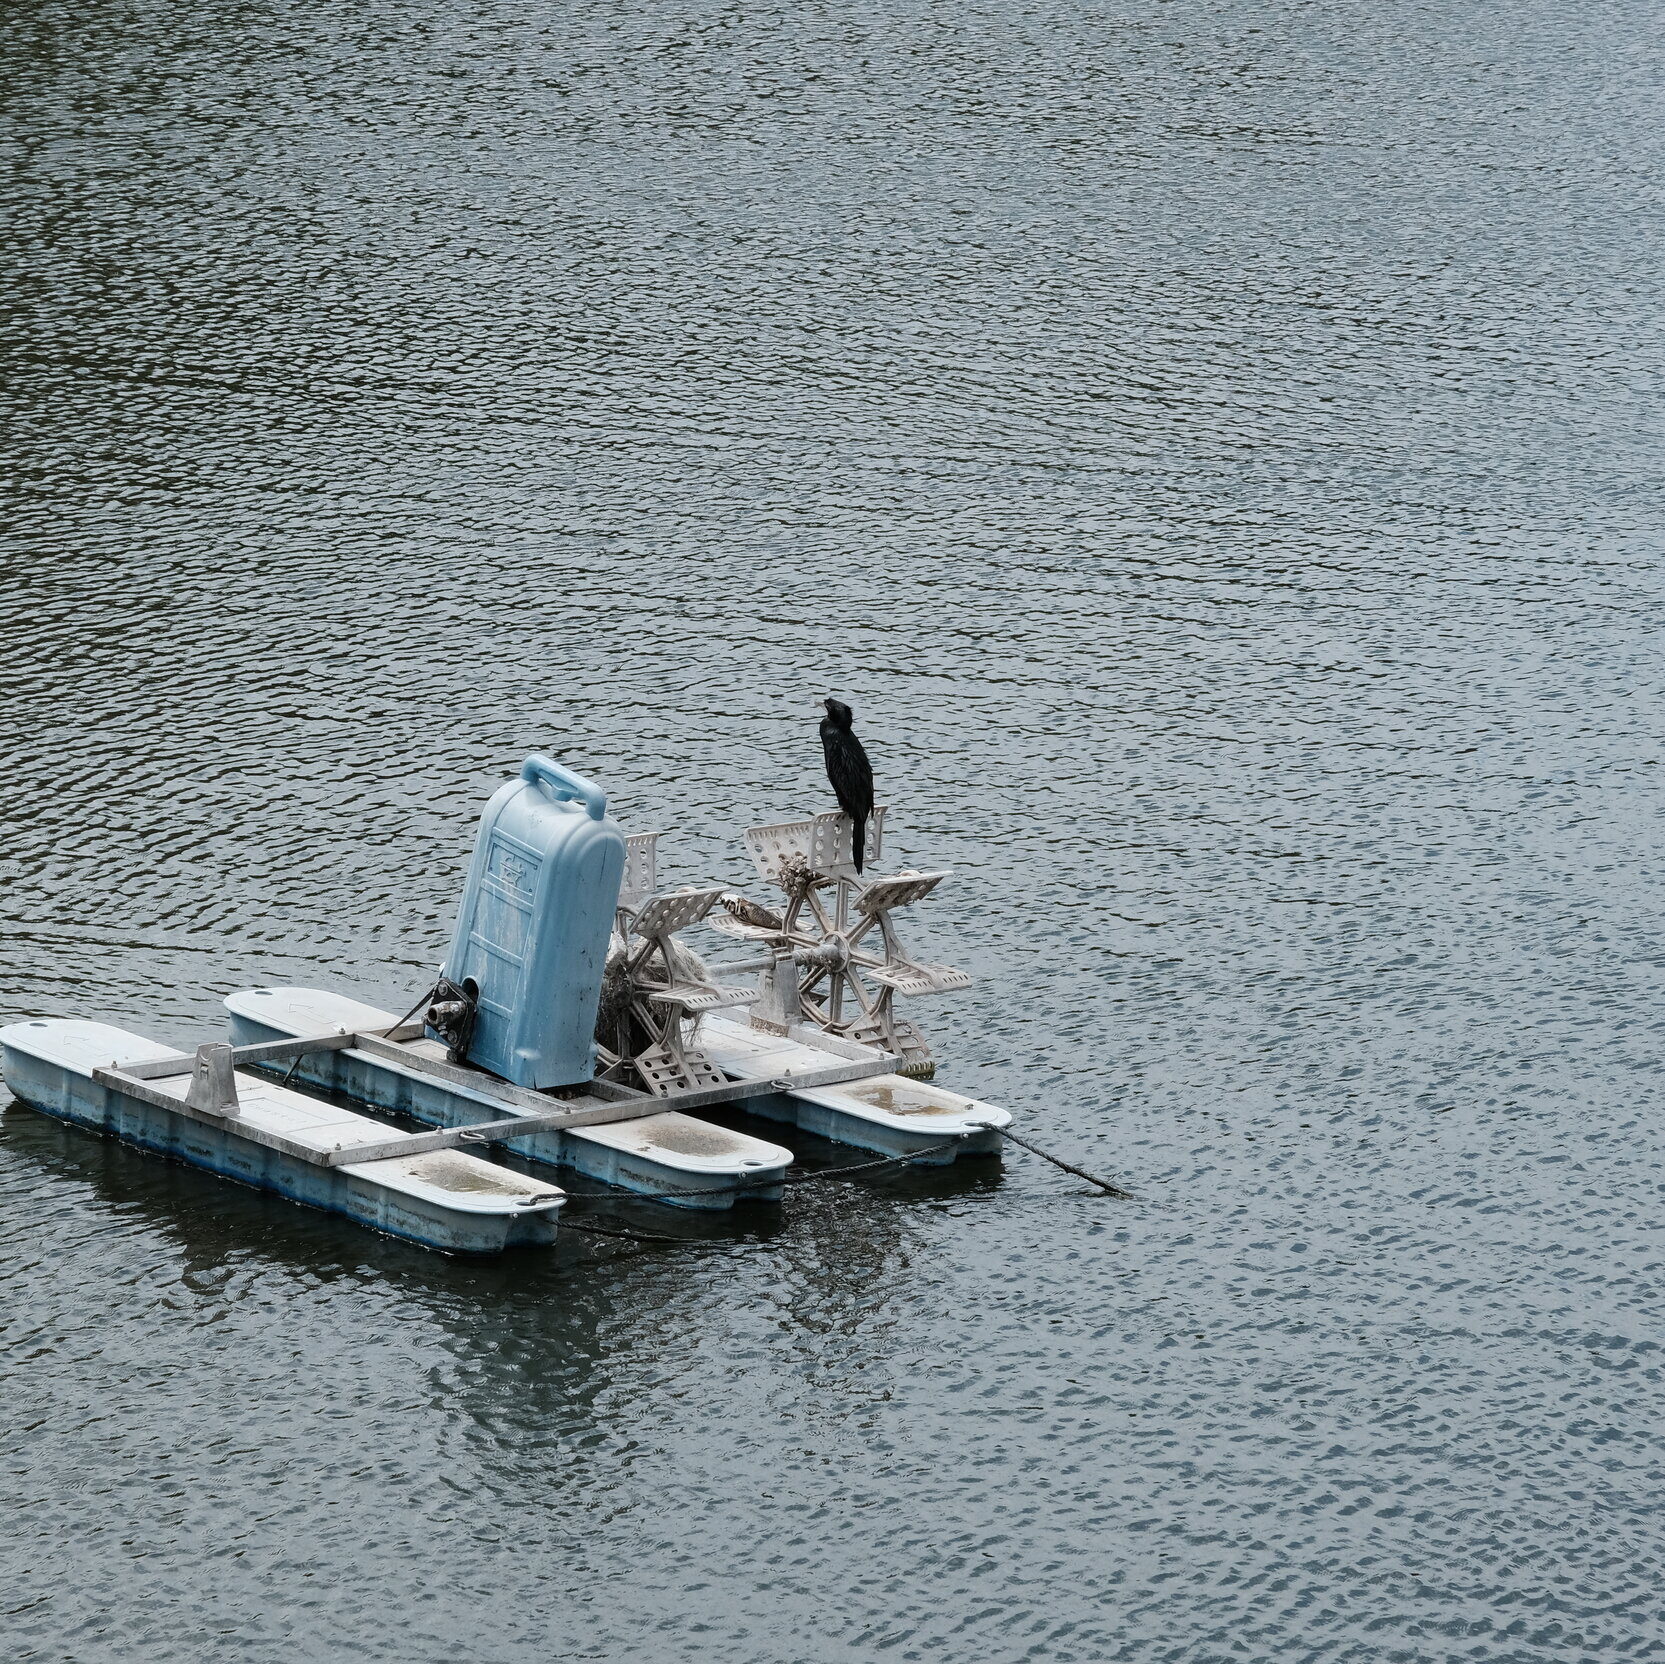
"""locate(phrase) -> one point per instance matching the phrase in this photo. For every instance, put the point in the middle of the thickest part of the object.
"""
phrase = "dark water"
(1216, 448)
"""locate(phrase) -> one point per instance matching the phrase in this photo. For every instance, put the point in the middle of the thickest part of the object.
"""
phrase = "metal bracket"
(213, 1087)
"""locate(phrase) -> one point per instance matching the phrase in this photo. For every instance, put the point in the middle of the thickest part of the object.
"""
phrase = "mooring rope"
(667, 1195)
(873, 1166)
(434, 989)
(623, 1235)
(1109, 1188)
(627, 1236)
(764, 1184)
(1105, 1185)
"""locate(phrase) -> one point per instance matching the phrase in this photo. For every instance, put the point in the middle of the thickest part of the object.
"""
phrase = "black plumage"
(850, 773)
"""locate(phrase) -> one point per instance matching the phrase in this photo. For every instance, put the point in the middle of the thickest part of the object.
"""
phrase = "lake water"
(1216, 449)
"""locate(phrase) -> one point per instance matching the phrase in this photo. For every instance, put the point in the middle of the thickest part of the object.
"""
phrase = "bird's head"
(841, 713)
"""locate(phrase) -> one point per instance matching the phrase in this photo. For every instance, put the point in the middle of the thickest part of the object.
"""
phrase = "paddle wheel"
(654, 990)
(836, 958)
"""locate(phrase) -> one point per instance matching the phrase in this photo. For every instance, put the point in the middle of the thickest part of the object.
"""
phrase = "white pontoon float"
(569, 1025)
(653, 1150)
(205, 1111)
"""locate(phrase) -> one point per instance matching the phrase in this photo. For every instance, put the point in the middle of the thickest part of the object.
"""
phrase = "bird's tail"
(858, 838)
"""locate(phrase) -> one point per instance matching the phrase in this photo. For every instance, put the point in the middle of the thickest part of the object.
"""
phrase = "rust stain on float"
(697, 1139)
(465, 1173)
(899, 1100)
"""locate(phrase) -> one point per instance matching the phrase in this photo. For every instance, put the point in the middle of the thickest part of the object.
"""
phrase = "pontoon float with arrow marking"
(570, 1025)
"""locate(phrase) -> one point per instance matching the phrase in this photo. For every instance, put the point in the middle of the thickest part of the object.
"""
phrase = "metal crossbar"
(604, 1102)
(266, 1051)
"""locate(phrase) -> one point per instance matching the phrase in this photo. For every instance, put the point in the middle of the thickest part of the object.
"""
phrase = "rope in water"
(627, 1236)
(622, 1235)
(762, 1184)
(1105, 1185)
(873, 1166)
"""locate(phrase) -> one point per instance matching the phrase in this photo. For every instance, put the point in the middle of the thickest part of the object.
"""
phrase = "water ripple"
(1215, 447)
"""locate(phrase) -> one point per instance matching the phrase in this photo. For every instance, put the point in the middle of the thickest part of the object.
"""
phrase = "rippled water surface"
(1216, 448)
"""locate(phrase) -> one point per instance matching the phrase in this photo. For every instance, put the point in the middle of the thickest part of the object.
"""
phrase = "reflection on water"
(1214, 448)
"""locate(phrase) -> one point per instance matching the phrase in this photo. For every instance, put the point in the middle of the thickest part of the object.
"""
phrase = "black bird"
(850, 773)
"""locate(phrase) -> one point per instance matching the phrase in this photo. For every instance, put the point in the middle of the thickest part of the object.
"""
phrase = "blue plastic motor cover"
(533, 929)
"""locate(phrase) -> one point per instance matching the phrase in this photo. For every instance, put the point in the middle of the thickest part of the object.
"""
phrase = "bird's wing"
(850, 775)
